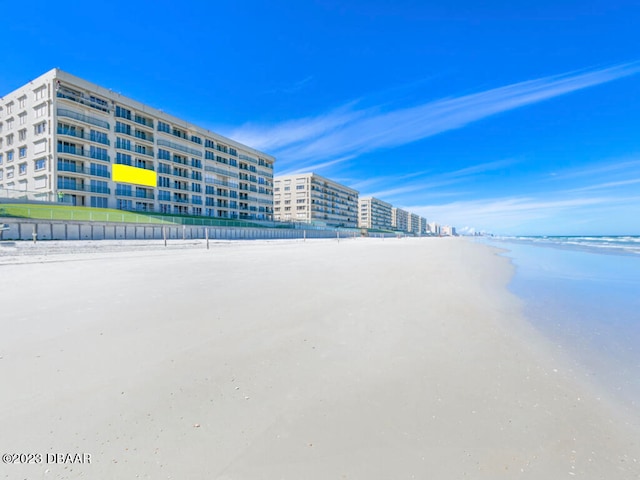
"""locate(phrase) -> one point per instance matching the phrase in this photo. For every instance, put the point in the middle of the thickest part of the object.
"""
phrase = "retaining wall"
(19, 229)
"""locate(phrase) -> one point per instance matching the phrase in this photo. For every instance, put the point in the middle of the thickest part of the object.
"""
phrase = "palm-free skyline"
(497, 117)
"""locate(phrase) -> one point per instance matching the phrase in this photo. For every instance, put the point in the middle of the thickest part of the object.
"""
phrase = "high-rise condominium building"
(79, 143)
(424, 228)
(413, 223)
(400, 219)
(310, 198)
(374, 213)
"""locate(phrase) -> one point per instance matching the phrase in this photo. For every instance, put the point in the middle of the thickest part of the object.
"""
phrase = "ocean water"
(583, 293)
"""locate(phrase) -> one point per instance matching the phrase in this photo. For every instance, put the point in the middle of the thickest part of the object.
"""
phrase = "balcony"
(66, 167)
(147, 122)
(147, 137)
(63, 112)
(96, 103)
(176, 146)
(143, 194)
(81, 187)
(79, 134)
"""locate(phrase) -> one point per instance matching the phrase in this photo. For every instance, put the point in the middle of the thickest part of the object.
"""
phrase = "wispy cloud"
(425, 181)
(511, 214)
(349, 131)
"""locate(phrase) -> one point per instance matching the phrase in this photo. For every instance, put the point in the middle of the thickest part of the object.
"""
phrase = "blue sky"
(509, 117)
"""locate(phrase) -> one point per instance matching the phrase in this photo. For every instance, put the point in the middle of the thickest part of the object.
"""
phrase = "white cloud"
(347, 132)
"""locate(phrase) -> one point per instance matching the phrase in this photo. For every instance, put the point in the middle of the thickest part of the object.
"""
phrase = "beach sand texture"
(358, 359)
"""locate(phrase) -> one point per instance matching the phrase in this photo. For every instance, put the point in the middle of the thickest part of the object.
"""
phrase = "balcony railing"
(63, 112)
(220, 171)
(93, 103)
(74, 133)
(66, 185)
(177, 146)
(142, 194)
(65, 167)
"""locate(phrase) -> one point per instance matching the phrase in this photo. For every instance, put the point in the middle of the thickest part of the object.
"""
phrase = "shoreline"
(366, 358)
(580, 301)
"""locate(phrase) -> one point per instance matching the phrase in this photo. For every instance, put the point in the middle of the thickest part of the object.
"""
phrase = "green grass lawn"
(66, 212)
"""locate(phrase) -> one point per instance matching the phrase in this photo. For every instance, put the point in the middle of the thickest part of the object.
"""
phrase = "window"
(123, 190)
(10, 139)
(123, 128)
(22, 101)
(125, 204)
(98, 186)
(22, 152)
(99, 137)
(10, 156)
(22, 118)
(39, 92)
(299, 187)
(0, 159)
(40, 164)
(22, 135)
(163, 154)
(9, 107)
(209, 143)
(164, 127)
(22, 168)
(123, 158)
(40, 147)
(9, 123)
(163, 182)
(195, 139)
(123, 112)
(1, 174)
(99, 170)
(40, 110)
(99, 202)
(98, 153)
(179, 133)
(123, 143)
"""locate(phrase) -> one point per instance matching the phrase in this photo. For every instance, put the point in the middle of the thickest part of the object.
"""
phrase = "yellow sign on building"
(137, 176)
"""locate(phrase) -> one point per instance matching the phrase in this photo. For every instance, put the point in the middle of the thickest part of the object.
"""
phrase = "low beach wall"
(24, 229)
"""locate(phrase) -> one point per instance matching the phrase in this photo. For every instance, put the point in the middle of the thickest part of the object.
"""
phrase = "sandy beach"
(358, 359)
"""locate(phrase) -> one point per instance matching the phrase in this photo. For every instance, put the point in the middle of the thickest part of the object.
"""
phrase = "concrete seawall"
(24, 229)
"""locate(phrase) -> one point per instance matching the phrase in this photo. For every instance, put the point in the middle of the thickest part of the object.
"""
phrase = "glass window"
(22, 152)
(22, 168)
(40, 164)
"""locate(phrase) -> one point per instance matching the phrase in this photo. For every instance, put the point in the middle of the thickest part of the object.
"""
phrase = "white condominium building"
(413, 223)
(374, 213)
(87, 145)
(400, 219)
(424, 228)
(310, 198)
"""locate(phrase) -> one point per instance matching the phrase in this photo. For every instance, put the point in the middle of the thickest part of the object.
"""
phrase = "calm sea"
(584, 294)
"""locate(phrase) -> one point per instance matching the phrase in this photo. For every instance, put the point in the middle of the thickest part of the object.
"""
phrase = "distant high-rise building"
(400, 219)
(413, 223)
(374, 213)
(310, 198)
